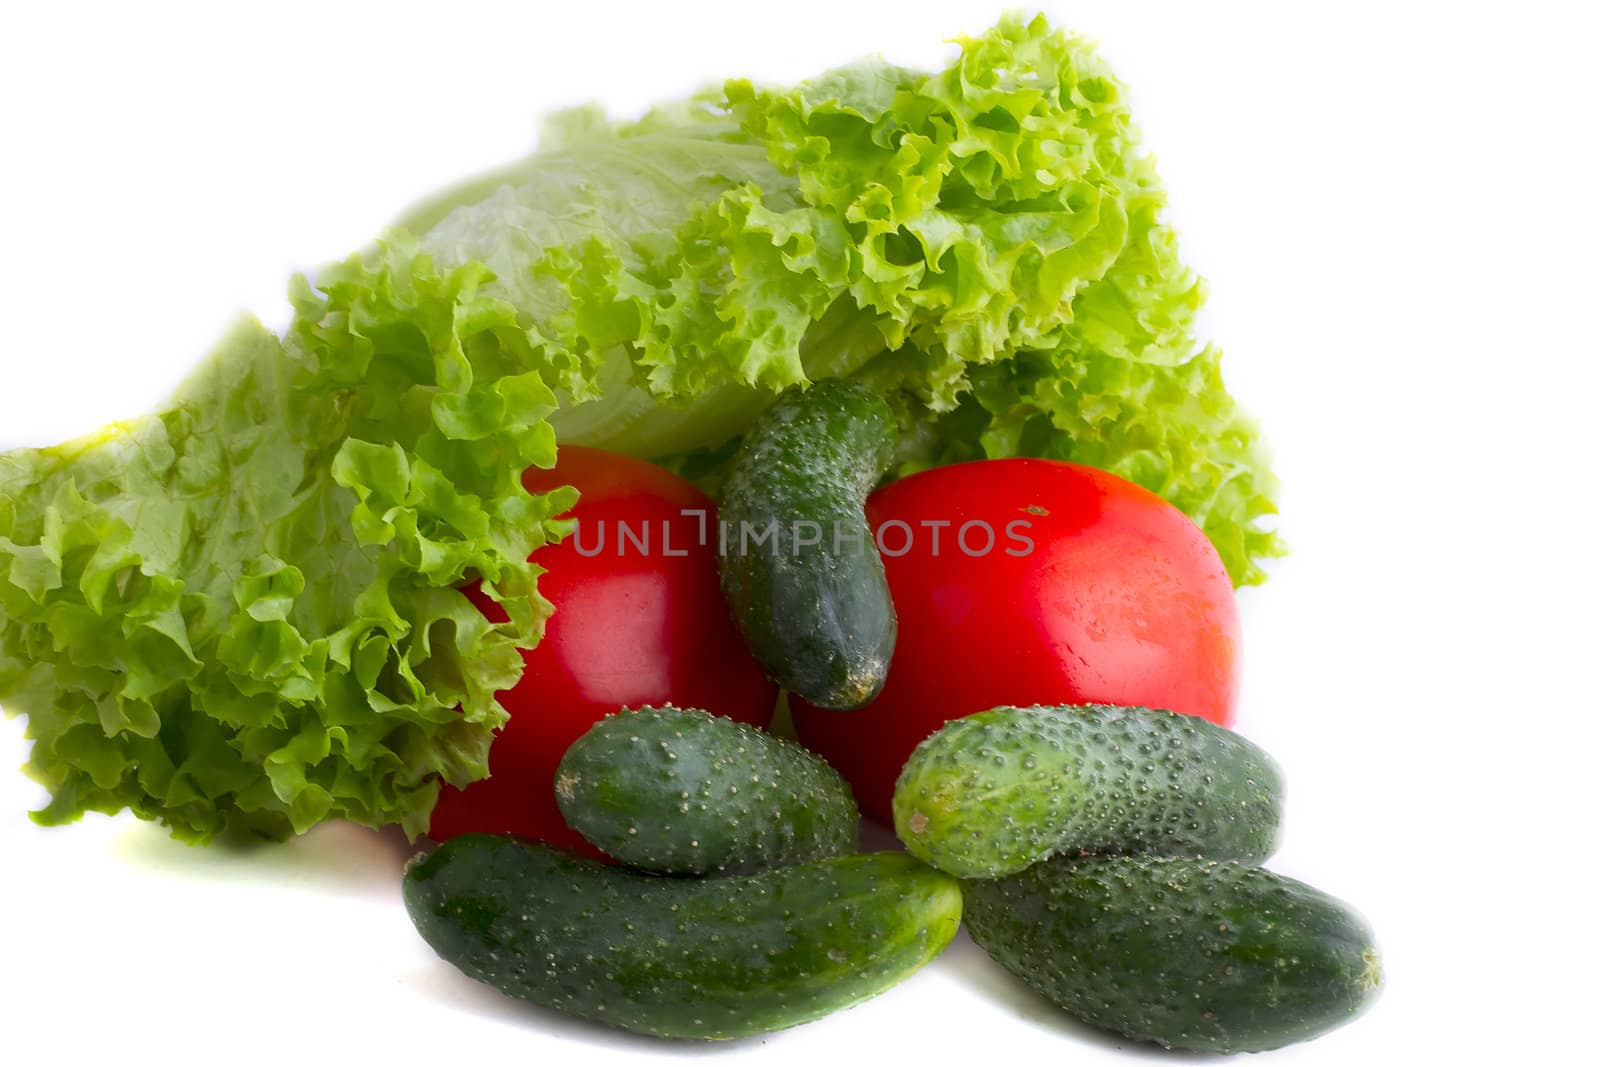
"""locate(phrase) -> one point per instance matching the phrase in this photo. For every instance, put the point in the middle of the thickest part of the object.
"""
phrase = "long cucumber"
(1195, 954)
(679, 957)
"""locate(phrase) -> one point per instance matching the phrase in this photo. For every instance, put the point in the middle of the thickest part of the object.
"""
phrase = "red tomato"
(633, 625)
(1107, 595)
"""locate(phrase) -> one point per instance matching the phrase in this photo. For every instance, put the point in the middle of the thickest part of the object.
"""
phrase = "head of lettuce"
(241, 613)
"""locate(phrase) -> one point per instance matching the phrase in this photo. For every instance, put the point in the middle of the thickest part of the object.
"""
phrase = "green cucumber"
(679, 957)
(1196, 954)
(684, 792)
(800, 570)
(992, 793)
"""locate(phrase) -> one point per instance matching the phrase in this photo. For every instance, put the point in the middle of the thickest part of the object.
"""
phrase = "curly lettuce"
(242, 613)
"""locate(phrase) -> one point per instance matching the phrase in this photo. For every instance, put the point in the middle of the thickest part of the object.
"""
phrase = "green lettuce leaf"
(242, 612)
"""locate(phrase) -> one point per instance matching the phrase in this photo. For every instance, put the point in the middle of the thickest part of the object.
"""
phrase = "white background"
(1397, 213)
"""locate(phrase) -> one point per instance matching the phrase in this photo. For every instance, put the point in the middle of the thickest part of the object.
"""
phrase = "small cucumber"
(685, 792)
(992, 793)
(679, 957)
(800, 569)
(1188, 953)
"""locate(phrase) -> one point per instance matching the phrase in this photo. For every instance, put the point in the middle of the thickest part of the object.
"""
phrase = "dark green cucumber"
(989, 794)
(800, 570)
(684, 792)
(679, 957)
(1188, 953)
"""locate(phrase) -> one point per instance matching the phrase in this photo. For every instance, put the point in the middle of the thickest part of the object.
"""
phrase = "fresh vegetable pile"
(243, 611)
(669, 416)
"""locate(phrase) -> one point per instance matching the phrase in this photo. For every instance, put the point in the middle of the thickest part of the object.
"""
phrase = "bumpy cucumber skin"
(1194, 954)
(992, 793)
(818, 618)
(679, 791)
(678, 957)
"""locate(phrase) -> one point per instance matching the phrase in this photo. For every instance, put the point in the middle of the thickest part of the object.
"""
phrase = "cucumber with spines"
(800, 569)
(1196, 954)
(989, 794)
(709, 958)
(680, 791)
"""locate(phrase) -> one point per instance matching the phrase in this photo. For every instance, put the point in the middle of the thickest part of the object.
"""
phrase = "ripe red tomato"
(633, 625)
(1107, 595)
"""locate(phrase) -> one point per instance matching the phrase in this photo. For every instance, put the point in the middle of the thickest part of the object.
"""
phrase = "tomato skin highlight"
(632, 626)
(1108, 594)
